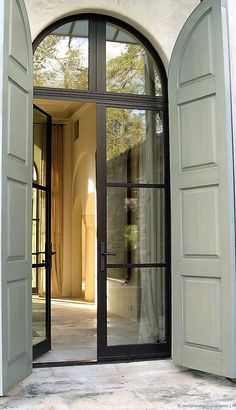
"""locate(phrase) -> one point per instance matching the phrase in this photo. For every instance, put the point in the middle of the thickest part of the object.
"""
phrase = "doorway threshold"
(98, 361)
(39, 365)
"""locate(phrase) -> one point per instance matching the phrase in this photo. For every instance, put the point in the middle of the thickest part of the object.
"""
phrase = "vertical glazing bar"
(101, 231)
(92, 55)
(101, 56)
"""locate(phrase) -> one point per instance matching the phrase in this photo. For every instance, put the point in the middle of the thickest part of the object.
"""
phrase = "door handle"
(104, 254)
(49, 253)
(109, 254)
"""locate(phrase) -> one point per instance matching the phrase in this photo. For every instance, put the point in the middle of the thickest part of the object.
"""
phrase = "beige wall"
(79, 204)
(159, 20)
(67, 243)
(83, 211)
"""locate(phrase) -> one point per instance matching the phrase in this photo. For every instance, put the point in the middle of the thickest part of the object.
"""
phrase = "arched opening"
(104, 87)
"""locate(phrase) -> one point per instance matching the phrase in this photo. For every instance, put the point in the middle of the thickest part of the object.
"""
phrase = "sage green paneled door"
(16, 194)
(203, 237)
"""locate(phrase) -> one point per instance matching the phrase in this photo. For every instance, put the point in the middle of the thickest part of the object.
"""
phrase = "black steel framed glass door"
(41, 233)
(115, 67)
(133, 234)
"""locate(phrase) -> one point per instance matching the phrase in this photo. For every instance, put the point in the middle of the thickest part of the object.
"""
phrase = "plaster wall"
(79, 202)
(67, 277)
(159, 20)
(83, 211)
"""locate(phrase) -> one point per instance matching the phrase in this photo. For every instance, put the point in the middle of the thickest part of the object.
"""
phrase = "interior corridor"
(72, 219)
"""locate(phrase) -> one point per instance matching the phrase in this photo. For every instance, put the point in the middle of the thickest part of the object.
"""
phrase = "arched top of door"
(97, 53)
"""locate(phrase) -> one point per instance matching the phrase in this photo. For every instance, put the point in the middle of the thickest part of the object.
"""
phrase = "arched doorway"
(114, 86)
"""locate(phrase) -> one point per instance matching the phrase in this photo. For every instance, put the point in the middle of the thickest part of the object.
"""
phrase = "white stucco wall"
(159, 20)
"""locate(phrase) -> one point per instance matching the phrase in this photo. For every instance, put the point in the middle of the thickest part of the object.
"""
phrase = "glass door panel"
(135, 306)
(133, 279)
(136, 225)
(39, 307)
(41, 249)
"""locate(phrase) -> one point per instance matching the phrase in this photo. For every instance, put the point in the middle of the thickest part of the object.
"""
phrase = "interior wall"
(83, 205)
(67, 242)
(79, 204)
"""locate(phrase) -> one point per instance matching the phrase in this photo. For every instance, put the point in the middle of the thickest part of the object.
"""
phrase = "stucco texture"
(159, 20)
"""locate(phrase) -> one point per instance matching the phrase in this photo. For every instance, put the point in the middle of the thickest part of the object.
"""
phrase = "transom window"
(69, 55)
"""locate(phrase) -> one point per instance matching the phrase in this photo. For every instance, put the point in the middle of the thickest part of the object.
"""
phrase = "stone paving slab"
(137, 386)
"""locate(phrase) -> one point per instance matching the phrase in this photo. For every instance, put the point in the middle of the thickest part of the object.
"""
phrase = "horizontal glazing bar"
(40, 187)
(133, 185)
(115, 100)
(136, 265)
(38, 265)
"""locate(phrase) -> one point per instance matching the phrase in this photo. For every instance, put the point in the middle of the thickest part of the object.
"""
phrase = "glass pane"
(130, 68)
(61, 59)
(136, 225)
(42, 226)
(34, 281)
(134, 146)
(38, 226)
(34, 225)
(40, 146)
(136, 308)
(39, 308)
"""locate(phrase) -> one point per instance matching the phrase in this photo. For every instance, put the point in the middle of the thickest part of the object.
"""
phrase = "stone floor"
(74, 332)
(138, 386)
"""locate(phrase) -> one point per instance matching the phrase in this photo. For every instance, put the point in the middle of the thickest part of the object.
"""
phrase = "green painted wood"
(16, 195)
(202, 195)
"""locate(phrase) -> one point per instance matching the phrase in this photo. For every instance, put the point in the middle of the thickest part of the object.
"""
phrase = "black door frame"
(45, 345)
(136, 351)
(97, 94)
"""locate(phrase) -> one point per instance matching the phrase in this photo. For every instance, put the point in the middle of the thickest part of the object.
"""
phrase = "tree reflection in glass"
(130, 67)
(61, 59)
(134, 146)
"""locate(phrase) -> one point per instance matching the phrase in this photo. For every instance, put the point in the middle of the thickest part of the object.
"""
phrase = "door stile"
(168, 278)
(45, 345)
(101, 231)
